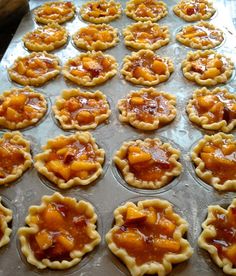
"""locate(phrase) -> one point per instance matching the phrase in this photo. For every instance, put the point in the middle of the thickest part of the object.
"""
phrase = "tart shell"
(4, 220)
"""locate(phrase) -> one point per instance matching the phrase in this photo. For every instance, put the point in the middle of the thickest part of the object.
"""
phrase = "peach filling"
(225, 239)
(62, 228)
(82, 110)
(147, 107)
(94, 33)
(220, 158)
(69, 158)
(46, 35)
(147, 235)
(20, 106)
(147, 8)
(216, 108)
(148, 163)
(99, 9)
(55, 11)
(145, 34)
(192, 7)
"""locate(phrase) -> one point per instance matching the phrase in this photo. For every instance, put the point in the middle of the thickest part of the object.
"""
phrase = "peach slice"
(206, 101)
(18, 100)
(83, 166)
(134, 215)
(58, 167)
(170, 245)
(137, 100)
(231, 253)
(44, 239)
(166, 225)
(53, 218)
(131, 239)
(66, 242)
(140, 72)
(84, 116)
(139, 157)
(151, 216)
(211, 73)
(159, 67)
(12, 114)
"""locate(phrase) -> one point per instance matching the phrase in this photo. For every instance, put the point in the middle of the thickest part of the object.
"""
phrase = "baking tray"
(189, 196)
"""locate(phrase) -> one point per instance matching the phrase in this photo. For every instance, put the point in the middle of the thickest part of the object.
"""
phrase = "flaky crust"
(209, 231)
(84, 137)
(129, 177)
(130, 6)
(67, 94)
(4, 220)
(131, 42)
(207, 175)
(130, 117)
(39, 47)
(76, 255)
(203, 121)
(104, 19)
(128, 60)
(152, 267)
(196, 77)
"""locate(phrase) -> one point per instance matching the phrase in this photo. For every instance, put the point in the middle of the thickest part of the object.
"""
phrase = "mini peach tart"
(147, 109)
(202, 35)
(207, 67)
(144, 10)
(55, 12)
(15, 156)
(146, 35)
(147, 68)
(148, 237)
(100, 11)
(71, 160)
(96, 37)
(81, 110)
(90, 69)
(59, 232)
(5, 218)
(46, 38)
(194, 10)
(218, 236)
(148, 164)
(34, 69)
(213, 110)
(215, 161)
(21, 107)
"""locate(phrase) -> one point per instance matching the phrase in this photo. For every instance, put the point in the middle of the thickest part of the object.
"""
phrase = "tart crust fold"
(5, 218)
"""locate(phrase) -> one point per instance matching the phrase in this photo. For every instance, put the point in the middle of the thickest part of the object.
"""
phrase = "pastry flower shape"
(15, 156)
(207, 67)
(148, 164)
(144, 10)
(46, 38)
(147, 109)
(214, 110)
(5, 218)
(100, 11)
(54, 12)
(81, 110)
(71, 160)
(146, 35)
(21, 107)
(34, 69)
(96, 37)
(194, 10)
(215, 160)
(202, 35)
(148, 237)
(218, 236)
(89, 69)
(147, 68)
(60, 232)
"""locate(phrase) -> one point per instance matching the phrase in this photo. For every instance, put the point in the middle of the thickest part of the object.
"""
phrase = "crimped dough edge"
(4, 224)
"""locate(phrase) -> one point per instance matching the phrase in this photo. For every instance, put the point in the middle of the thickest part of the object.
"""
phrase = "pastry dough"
(5, 218)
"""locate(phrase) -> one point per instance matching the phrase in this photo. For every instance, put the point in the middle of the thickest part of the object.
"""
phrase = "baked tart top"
(59, 232)
(215, 160)
(194, 10)
(207, 67)
(71, 160)
(5, 218)
(80, 110)
(90, 68)
(15, 156)
(96, 37)
(147, 68)
(100, 11)
(218, 236)
(147, 109)
(202, 35)
(148, 164)
(148, 237)
(34, 69)
(213, 110)
(54, 12)
(144, 10)
(46, 38)
(146, 35)
(21, 107)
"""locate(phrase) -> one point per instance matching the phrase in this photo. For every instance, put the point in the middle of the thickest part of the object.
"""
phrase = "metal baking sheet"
(189, 197)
